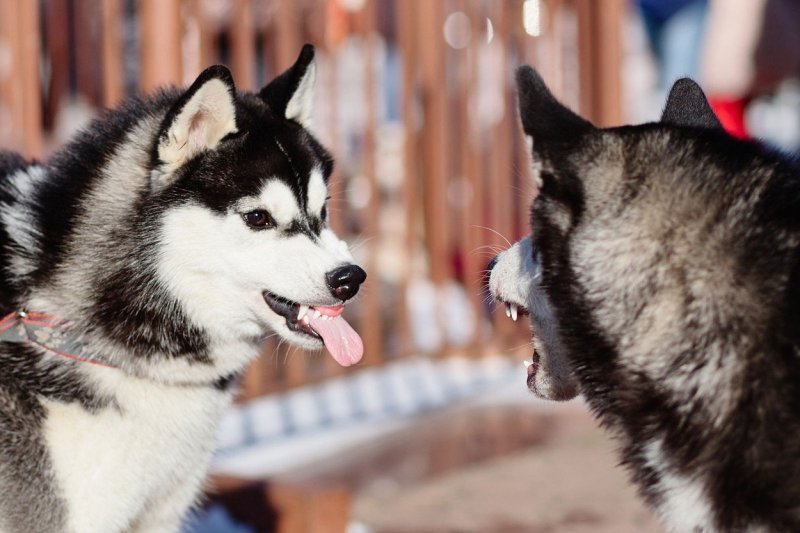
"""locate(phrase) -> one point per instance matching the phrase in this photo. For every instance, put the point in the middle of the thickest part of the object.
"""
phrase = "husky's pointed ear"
(687, 106)
(290, 95)
(197, 122)
(545, 120)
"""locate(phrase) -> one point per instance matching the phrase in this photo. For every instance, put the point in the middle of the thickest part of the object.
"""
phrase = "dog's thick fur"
(158, 235)
(663, 277)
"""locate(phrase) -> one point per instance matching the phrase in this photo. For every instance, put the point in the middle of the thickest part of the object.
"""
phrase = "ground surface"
(568, 482)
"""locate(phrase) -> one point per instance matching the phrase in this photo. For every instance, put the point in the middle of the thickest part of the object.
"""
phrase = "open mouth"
(514, 311)
(532, 366)
(321, 322)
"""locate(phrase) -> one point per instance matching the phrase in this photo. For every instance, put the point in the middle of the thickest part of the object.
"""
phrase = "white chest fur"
(145, 457)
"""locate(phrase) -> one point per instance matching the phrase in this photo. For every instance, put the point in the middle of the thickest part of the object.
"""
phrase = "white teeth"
(526, 363)
(301, 313)
(508, 310)
(514, 312)
(317, 314)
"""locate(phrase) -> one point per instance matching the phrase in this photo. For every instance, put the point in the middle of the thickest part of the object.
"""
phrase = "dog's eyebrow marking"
(288, 159)
(317, 191)
(280, 201)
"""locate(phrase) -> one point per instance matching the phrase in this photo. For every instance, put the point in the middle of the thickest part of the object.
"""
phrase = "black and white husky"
(141, 268)
(662, 277)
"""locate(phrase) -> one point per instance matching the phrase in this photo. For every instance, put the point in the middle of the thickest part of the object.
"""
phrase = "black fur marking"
(687, 106)
(226, 382)
(280, 91)
(543, 117)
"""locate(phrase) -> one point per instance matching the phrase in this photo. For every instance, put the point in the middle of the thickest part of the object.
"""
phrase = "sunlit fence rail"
(415, 98)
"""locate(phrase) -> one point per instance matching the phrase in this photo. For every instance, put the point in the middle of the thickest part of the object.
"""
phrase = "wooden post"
(206, 51)
(20, 93)
(160, 54)
(475, 260)
(243, 44)
(87, 42)
(286, 26)
(56, 26)
(370, 300)
(310, 509)
(500, 160)
(29, 75)
(113, 73)
(599, 34)
(430, 17)
(406, 29)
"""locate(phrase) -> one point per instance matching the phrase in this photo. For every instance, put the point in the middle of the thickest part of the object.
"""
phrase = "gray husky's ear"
(198, 121)
(687, 106)
(290, 95)
(544, 118)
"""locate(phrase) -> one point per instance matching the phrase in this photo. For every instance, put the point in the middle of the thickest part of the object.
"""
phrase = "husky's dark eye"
(259, 219)
(323, 214)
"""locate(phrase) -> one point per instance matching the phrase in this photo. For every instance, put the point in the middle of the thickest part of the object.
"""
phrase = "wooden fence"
(415, 98)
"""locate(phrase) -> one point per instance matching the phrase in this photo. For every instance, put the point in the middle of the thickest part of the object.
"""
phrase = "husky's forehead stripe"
(280, 201)
(306, 167)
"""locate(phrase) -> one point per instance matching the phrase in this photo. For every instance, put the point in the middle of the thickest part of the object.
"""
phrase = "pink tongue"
(340, 339)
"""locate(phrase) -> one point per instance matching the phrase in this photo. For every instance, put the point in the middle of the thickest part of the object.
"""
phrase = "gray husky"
(140, 269)
(662, 277)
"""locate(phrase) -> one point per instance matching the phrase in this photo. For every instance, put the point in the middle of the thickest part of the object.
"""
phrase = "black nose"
(492, 263)
(345, 281)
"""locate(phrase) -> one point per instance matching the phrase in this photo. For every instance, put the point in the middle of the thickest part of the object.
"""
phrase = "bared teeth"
(301, 313)
(508, 310)
(514, 312)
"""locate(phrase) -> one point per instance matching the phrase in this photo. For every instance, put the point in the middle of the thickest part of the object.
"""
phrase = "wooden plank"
(160, 38)
(430, 17)
(286, 28)
(206, 53)
(309, 508)
(369, 303)
(28, 72)
(475, 255)
(609, 51)
(57, 50)
(242, 34)
(86, 43)
(112, 55)
(433, 149)
(500, 169)
(599, 49)
(436, 443)
(10, 116)
(406, 29)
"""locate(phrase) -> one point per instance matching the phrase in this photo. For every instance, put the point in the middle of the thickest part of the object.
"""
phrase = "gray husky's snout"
(345, 281)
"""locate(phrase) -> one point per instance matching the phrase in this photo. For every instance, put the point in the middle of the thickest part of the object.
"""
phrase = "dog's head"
(240, 186)
(605, 224)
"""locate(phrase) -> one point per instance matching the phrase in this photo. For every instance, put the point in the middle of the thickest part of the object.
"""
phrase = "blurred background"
(434, 431)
